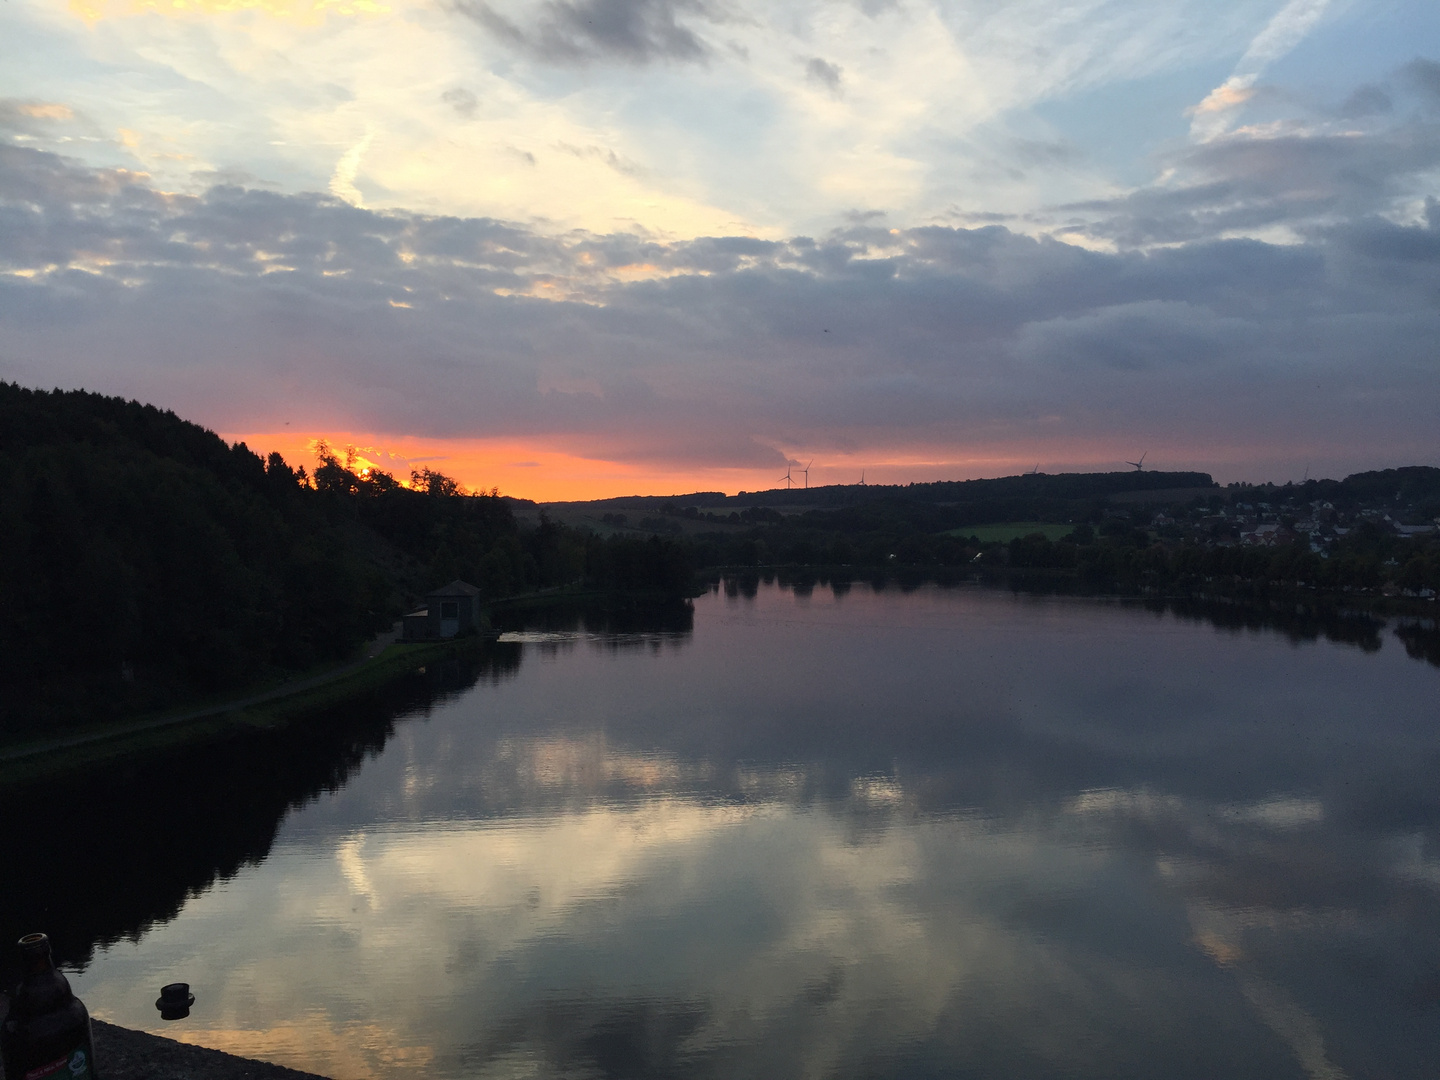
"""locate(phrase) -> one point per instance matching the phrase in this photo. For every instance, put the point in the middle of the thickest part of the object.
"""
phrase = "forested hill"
(1027, 487)
(146, 562)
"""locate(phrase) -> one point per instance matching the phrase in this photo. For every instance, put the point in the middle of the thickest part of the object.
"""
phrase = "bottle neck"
(43, 988)
(35, 957)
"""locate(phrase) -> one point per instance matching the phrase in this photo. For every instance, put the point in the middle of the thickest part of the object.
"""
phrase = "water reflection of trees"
(614, 624)
(620, 615)
(1298, 624)
(102, 853)
(804, 580)
(1421, 640)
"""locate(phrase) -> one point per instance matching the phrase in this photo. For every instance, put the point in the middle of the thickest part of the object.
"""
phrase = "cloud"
(243, 307)
(608, 157)
(1228, 95)
(1285, 30)
(462, 101)
(1424, 75)
(1367, 101)
(41, 121)
(938, 100)
(579, 31)
(299, 11)
(1138, 336)
(342, 182)
(1375, 155)
(44, 111)
(823, 73)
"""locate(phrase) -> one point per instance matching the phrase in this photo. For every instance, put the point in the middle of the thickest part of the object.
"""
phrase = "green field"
(1009, 530)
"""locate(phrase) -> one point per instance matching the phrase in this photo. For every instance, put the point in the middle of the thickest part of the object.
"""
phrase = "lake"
(798, 831)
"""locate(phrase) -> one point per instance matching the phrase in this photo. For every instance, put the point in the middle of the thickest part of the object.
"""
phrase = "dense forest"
(147, 562)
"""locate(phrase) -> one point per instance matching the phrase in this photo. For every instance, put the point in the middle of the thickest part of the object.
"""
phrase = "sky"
(583, 248)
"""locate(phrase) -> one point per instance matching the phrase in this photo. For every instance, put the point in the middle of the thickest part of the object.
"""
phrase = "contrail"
(342, 181)
(1286, 29)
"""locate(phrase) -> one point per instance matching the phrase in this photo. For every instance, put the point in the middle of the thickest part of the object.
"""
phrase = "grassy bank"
(276, 703)
(264, 707)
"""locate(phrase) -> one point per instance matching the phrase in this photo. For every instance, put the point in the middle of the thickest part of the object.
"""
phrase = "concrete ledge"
(123, 1054)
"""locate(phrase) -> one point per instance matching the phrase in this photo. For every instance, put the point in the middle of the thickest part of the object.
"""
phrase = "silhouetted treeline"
(434, 533)
(1415, 485)
(146, 562)
(1028, 489)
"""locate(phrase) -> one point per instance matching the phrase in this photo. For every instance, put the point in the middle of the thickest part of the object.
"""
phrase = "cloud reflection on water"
(948, 834)
(790, 938)
(797, 940)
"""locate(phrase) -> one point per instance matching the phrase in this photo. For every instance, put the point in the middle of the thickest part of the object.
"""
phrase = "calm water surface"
(819, 833)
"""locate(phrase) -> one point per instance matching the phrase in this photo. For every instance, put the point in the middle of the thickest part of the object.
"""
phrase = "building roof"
(456, 588)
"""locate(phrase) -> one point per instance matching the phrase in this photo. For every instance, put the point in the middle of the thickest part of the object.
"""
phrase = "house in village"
(1270, 534)
(448, 612)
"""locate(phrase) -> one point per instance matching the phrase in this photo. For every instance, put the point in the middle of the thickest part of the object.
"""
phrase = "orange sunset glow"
(532, 470)
(520, 469)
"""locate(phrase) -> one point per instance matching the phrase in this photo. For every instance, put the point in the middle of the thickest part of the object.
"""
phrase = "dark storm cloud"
(234, 305)
(630, 31)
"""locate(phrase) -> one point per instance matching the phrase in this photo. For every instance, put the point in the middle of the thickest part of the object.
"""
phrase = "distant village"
(1376, 532)
(1267, 524)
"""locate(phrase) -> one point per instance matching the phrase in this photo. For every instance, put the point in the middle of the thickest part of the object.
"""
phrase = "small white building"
(448, 612)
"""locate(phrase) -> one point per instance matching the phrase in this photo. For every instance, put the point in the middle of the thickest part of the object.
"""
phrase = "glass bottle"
(46, 1035)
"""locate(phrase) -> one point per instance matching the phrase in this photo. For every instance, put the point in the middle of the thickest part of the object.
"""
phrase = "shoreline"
(1064, 581)
(385, 658)
(126, 1054)
(272, 708)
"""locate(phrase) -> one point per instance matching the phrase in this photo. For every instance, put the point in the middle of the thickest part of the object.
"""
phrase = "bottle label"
(73, 1066)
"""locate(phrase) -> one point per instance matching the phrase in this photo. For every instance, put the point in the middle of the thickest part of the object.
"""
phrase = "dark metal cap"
(175, 1001)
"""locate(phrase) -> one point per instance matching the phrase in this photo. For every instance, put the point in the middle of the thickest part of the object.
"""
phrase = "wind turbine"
(1034, 472)
(862, 477)
(786, 478)
(806, 471)
(1139, 465)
